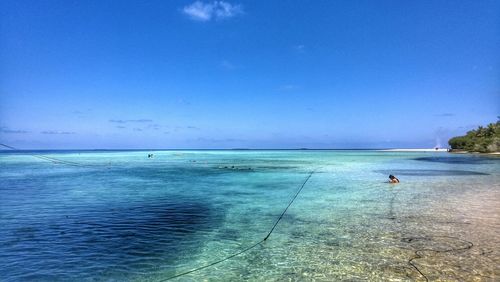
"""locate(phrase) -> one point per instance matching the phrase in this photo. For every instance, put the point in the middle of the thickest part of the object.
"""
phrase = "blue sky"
(246, 74)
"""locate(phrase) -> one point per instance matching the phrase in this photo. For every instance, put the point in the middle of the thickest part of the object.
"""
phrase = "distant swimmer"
(150, 156)
(393, 179)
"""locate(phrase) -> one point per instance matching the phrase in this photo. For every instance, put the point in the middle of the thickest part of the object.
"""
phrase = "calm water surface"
(119, 216)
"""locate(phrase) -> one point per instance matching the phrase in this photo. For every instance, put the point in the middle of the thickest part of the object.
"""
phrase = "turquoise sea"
(121, 216)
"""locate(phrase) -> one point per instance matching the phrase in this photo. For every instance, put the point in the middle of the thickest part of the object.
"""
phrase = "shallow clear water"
(118, 216)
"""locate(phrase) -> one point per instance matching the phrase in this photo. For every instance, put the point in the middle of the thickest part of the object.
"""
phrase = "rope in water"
(50, 159)
(289, 204)
(252, 246)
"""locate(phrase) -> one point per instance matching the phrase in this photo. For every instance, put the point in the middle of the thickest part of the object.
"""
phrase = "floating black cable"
(248, 248)
(50, 159)
(215, 262)
(8, 147)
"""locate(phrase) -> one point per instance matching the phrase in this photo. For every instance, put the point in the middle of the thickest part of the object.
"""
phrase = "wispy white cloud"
(217, 10)
(225, 10)
(4, 129)
(178, 128)
(199, 11)
(130, 120)
(139, 125)
(445, 115)
(153, 126)
(55, 132)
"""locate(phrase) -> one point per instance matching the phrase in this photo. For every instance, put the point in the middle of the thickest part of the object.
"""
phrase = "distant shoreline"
(415, 150)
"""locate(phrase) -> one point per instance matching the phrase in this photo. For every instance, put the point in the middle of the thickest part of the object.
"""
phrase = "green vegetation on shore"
(482, 140)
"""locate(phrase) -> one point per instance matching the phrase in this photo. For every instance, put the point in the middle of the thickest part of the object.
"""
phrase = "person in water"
(393, 179)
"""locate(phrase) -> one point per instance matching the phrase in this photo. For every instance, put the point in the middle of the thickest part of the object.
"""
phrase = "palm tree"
(490, 130)
(480, 131)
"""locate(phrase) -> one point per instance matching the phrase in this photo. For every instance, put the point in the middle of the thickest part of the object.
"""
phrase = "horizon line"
(222, 149)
